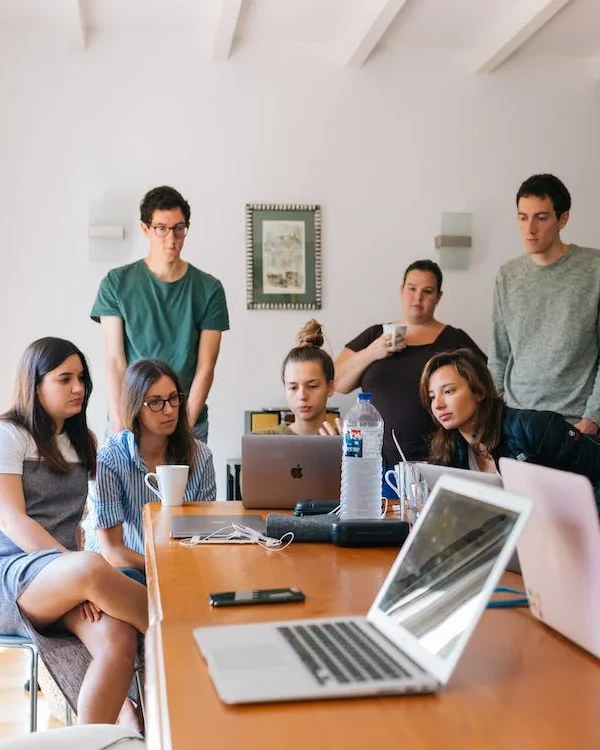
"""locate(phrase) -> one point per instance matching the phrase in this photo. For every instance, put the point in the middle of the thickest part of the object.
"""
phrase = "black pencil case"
(376, 533)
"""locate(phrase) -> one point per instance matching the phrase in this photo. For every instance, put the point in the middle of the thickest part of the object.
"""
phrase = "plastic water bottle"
(360, 494)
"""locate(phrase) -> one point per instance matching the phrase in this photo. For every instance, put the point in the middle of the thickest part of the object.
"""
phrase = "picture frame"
(283, 256)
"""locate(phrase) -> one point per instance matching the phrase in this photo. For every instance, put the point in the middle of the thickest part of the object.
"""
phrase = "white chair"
(139, 679)
(88, 736)
(18, 641)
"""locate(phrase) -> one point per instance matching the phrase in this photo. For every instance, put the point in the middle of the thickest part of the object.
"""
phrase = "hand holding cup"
(397, 336)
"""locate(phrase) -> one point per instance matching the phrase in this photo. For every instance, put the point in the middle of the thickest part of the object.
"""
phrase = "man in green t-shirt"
(162, 307)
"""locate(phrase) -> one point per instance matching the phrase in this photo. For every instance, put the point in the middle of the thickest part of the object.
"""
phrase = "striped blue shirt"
(119, 493)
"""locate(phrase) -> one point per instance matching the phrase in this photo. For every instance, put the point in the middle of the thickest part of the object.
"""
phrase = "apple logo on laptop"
(296, 472)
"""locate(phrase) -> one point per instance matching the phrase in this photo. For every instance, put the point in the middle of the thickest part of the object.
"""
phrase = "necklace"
(480, 450)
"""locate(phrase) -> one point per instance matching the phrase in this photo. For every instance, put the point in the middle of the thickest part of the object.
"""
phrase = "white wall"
(385, 150)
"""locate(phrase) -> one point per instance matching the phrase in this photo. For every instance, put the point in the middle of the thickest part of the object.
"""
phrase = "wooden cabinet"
(265, 419)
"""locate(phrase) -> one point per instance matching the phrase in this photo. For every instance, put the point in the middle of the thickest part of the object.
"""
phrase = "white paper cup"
(397, 333)
(171, 481)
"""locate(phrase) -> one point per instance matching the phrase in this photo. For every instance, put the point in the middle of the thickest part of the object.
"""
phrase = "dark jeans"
(134, 573)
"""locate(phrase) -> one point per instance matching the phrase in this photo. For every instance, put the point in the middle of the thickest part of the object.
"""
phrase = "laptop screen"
(437, 589)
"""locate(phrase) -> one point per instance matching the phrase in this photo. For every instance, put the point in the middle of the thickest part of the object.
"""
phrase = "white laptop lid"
(447, 569)
(560, 550)
(279, 470)
(432, 472)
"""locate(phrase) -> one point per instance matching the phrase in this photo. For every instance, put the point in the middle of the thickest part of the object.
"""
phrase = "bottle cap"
(365, 397)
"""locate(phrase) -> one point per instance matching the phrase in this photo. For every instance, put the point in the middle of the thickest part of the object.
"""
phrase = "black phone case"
(378, 533)
(278, 596)
(315, 507)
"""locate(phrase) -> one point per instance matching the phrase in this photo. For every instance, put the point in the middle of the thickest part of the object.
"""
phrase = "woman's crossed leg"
(53, 597)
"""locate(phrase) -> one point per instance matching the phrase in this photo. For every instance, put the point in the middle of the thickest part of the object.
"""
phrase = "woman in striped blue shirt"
(157, 433)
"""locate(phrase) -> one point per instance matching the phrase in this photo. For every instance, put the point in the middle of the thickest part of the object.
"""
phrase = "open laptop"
(432, 472)
(560, 550)
(279, 470)
(417, 627)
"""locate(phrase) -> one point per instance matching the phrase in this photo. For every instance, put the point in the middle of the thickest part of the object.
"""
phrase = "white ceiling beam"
(228, 14)
(594, 67)
(375, 20)
(527, 19)
(74, 22)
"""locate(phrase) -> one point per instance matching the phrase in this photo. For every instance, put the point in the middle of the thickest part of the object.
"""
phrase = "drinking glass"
(417, 495)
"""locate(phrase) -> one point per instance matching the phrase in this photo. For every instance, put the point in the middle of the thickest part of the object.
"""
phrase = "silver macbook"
(560, 550)
(208, 525)
(432, 472)
(417, 627)
(279, 470)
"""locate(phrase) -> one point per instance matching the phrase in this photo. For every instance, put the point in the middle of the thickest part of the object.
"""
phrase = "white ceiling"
(486, 32)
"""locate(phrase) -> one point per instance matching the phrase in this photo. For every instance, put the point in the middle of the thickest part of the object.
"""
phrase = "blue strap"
(521, 601)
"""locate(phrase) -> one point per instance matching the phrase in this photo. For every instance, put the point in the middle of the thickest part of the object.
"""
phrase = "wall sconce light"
(454, 242)
(108, 231)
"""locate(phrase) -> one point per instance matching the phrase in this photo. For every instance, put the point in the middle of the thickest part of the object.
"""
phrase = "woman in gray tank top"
(49, 589)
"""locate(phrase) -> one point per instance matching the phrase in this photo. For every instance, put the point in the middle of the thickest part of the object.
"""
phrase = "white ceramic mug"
(392, 479)
(171, 481)
(397, 333)
(401, 477)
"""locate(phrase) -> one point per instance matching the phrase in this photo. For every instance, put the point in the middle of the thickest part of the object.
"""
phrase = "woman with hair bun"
(307, 373)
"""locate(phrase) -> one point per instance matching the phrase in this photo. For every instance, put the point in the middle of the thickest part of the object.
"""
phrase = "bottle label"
(353, 443)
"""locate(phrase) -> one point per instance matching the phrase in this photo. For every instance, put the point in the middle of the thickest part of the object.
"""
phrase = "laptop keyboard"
(343, 651)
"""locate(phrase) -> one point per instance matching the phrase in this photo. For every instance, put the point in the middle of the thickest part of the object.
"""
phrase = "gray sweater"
(546, 335)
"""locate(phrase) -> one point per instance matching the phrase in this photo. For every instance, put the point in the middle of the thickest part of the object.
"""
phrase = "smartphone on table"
(256, 596)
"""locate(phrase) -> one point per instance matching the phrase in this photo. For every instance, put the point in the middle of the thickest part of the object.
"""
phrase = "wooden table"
(518, 684)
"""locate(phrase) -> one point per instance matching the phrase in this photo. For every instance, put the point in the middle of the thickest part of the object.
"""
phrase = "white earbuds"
(237, 533)
(262, 539)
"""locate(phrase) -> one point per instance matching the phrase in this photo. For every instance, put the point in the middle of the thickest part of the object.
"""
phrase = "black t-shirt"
(394, 384)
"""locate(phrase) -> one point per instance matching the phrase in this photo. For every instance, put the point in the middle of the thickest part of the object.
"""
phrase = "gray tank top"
(56, 501)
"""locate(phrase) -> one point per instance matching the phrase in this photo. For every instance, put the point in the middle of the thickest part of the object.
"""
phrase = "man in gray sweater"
(546, 321)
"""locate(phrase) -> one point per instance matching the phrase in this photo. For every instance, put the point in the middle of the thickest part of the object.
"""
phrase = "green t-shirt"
(163, 319)
(282, 428)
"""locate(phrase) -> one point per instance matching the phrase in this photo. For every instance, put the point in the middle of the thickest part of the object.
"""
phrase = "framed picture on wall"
(283, 256)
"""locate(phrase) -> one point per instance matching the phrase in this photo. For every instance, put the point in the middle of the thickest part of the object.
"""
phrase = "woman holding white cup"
(157, 441)
(386, 360)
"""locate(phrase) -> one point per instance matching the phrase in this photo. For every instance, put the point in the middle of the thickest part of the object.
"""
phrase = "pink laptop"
(559, 550)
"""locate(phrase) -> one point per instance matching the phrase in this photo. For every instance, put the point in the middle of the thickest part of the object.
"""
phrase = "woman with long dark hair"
(475, 428)
(157, 433)
(48, 589)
